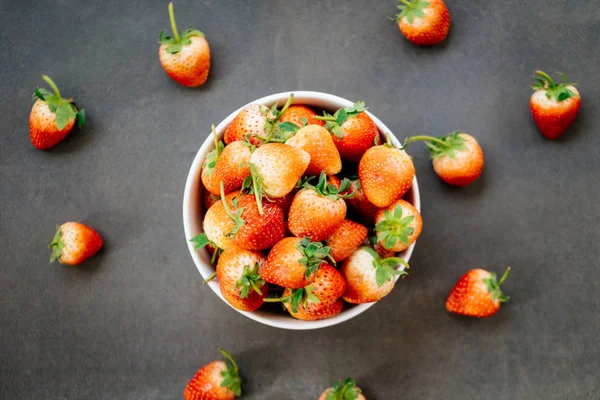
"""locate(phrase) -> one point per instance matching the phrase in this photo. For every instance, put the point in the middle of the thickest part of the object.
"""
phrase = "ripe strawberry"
(554, 106)
(315, 312)
(185, 58)
(343, 390)
(52, 117)
(317, 142)
(208, 199)
(398, 226)
(217, 380)
(368, 277)
(382, 251)
(293, 261)
(346, 238)
(239, 279)
(317, 211)
(477, 294)
(353, 131)
(74, 243)
(424, 22)
(385, 173)
(300, 116)
(284, 203)
(457, 157)
(361, 207)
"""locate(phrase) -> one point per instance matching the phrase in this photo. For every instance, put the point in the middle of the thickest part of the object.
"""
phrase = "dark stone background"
(136, 322)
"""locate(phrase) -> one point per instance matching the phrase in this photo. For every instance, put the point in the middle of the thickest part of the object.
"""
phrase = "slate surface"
(136, 321)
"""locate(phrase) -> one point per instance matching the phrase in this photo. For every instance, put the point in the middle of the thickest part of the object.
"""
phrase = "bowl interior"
(193, 213)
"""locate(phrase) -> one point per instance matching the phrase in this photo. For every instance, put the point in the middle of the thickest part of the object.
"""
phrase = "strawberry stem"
(215, 139)
(278, 115)
(211, 276)
(287, 105)
(324, 118)
(231, 360)
(52, 84)
(546, 77)
(428, 139)
(173, 23)
(501, 281)
(277, 299)
(408, 3)
(257, 196)
(224, 200)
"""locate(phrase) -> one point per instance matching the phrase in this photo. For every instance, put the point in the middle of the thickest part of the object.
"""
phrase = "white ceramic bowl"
(193, 213)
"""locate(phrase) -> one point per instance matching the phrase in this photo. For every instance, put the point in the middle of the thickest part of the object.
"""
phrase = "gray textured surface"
(135, 322)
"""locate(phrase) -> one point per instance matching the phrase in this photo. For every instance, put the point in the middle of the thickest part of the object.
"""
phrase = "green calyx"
(200, 241)
(411, 9)
(394, 227)
(554, 91)
(442, 146)
(276, 131)
(235, 214)
(493, 286)
(328, 190)
(250, 281)
(63, 108)
(385, 268)
(301, 296)
(253, 183)
(344, 390)
(176, 43)
(213, 156)
(56, 246)
(231, 376)
(333, 123)
(313, 255)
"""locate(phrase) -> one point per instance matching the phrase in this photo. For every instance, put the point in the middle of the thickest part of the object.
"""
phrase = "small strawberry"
(360, 206)
(300, 116)
(317, 142)
(293, 262)
(315, 312)
(345, 239)
(52, 117)
(74, 243)
(185, 58)
(554, 106)
(218, 224)
(353, 131)
(217, 380)
(477, 294)
(369, 277)
(398, 226)
(239, 278)
(317, 211)
(385, 174)
(343, 390)
(208, 199)
(424, 22)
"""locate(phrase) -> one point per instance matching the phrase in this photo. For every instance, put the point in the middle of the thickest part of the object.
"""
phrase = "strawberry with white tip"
(74, 243)
(217, 380)
(239, 278)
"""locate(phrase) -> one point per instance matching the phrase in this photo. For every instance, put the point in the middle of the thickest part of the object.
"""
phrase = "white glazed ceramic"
(193, 213)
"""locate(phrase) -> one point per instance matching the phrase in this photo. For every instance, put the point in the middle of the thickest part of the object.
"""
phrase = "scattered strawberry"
(345, 239)
(317, 142)
(300, 116)
(343, 390)
(477, 294)
(368, 277)
(217, 380)
(185, 58)
(398, 226)
(424, 22)
(361, 207)
(554, 106)
(74, 243)
(239, 278)
(316, 312)
(52, 117)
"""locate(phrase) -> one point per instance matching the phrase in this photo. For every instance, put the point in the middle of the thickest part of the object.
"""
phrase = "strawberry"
(74, 243)
(343, 390)
(239, 278)
(300, 116)
(217, 225)
(345, 239)
(293, 261)
(382, 251)
(424, 22)
(385, 174)
(477, 294)
(217, 380)
(369, 277)
(315, 312)
(208, 199)
(361, 207)
(353, 131)
(317, 211)
(398, 226)
(317, 142)
(457, 157)
(185, 58)
(52, 117)
(554, 106)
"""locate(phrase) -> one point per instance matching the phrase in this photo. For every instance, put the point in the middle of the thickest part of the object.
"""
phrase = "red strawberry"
(554, 106)
(298, 114)
(293, 261)
(239, 279)
(52, 117)
(368, 277)
(185, 58)
(424, 22)
(74, 243)
(316, 312)
(383, 252)
(208, 199)
(477, 294)
(346, 238)
(284, 203)
(343, 390)
(398, 226)
(257, 231)
(385, 173)
(217, 380)
(353, 131)
(362, 208)
(317, 142)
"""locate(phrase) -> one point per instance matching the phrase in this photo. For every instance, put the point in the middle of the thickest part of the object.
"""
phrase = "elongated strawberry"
(345, 239)
(317, 142)
(185, 58)
(368, 277)
(52, 117)
(361, 207)
(315, 312)
(74, 243)
(477, 294)
(293, 261)
(300, 116)
(385, 174)
(398, 226)
(239, 278)
(554, 106)
(343, 390)
(424, 22)
(217, 380)
(353, 131)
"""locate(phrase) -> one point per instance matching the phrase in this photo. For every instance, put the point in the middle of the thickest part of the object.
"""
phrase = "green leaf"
(250, 281)
(380, 276)
(338, 131)
(56, 246)
(188, 33)
(41, 93)
(313, 255)
(341, 117)
(304, 121)
(200, 241)
(80, 118)
(394, 227)
(174, 48)
(453, 143)
(212, 157)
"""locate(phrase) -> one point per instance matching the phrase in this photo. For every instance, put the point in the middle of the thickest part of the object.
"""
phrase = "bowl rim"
(191, 209)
